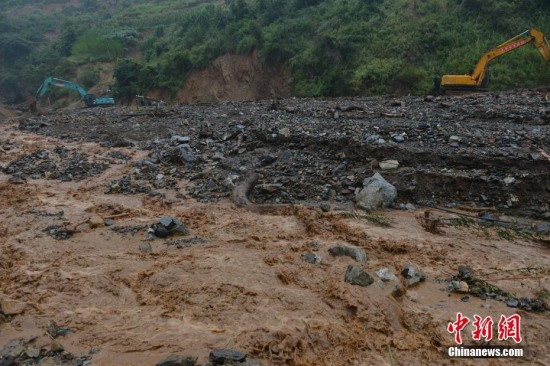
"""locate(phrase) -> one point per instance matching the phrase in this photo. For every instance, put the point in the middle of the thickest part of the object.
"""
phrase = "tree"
(13, 47)
(66, 40)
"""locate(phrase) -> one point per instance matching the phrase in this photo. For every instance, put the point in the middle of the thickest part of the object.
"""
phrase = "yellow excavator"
(478, 79)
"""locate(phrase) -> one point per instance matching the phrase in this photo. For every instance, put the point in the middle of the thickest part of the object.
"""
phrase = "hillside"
(303, 47)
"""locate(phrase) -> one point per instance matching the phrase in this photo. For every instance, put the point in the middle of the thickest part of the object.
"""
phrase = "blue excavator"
(90, 100)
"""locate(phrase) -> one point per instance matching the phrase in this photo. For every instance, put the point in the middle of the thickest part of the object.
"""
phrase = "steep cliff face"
(235, 77)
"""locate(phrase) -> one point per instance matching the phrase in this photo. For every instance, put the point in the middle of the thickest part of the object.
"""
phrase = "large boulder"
(376, 193)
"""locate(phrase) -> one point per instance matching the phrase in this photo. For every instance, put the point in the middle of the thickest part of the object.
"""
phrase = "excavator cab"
(89, 100)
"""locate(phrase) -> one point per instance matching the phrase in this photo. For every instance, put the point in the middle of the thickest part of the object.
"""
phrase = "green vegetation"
(543, 295)
(331, 47)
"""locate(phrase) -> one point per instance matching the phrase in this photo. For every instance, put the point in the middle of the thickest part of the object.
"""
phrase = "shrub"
(93, 47)
(89, 77)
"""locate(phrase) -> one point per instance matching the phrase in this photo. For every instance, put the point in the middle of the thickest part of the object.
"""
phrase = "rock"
(145, 247)
(33, 352)
(325, 207)
(13, 349)
(311, 258)
(220, 356)
(356, 253)
(410, 207)
(454, 139)
(268, 159)
(385, 274)
(537, 305)
(67, 356)
(357, 276)
(96, 221)
(465, 272)
(57, 347)
(58, 232)
(462, 288)
(48, 361)
(388, 164)
(218, 155)
(166, 221)
(416, 279)
(535, 156)
(285, 132)
(185, 153)
(372, 138)
(180, 139)
(542, 228)
(109, 222)
(52, 328)
(178, 360)
(488, 216)
(376, 193)
(398, 138)
(509, 180)
(465, 299)
(398, 291)
(146, 164)
(17, 179)
(408, 272)
(513, 303)
(513, 200)
(168, 226)
(12, 307)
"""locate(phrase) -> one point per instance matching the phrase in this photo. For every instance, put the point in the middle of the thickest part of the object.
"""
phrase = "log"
(244, 185)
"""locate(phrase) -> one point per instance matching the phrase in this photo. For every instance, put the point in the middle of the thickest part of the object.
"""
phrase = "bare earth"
(245, 285)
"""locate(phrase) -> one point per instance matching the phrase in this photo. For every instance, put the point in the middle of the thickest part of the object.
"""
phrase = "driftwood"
(75, 226)
(117, 215)
(477, 209)
(276, 106)
(335, 112)
(158, 113)
(392, 115)
(545, 154)
(351, 108)
(244, 185)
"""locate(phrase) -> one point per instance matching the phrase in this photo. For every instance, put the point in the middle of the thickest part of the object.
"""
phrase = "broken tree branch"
(545, 154)
(392, 115)
(244, 185)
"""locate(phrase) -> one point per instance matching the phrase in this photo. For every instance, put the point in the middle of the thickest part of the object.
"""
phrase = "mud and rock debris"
(59, 232)
(59, 164)
(450, 151)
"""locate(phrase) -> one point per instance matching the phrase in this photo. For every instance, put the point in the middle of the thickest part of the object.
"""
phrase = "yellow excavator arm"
(477, 79)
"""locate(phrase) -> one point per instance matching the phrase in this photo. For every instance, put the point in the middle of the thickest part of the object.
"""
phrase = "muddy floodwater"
(120, 243)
